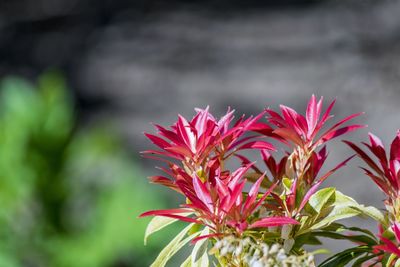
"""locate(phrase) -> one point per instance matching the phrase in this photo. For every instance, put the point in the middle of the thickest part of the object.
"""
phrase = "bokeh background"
(82, 80)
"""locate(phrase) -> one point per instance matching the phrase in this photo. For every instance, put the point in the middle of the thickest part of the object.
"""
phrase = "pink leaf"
(237, 175)
(273, 221)
(261, 200)
(364, 157)
(289, 134)
(396, 230)
(171, 213)
(326, 115)
(157, 140)
(257, 145)
(204, 237)
(308, 195)
(251, 197)
(202, 192)
(312, 115)
(293, 119)
(335, 133)
(340, 165)
(184, 131)
(233, 196)
(390, 246)
(331, 129)
(395, 148)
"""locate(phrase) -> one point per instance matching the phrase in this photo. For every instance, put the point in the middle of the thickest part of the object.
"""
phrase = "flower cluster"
(304, 135)
(215, 196)
(233, 251)
(264, 214)
(386, 174)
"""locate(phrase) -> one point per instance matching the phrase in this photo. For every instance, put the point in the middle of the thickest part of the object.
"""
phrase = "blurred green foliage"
(69, 197)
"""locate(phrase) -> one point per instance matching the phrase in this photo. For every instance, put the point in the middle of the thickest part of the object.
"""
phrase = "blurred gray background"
(136, 62)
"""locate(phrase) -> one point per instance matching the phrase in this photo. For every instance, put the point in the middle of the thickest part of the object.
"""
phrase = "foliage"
(284, 205)
(68, 194)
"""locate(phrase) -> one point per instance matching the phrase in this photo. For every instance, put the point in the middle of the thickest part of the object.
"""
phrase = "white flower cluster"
(245, 252)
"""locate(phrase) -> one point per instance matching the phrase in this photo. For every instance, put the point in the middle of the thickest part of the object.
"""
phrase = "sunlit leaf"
(344, 257)
(187, 262)
(174, 246)
(321, 198)
(158, 223)
(372, 212)
(199, 253)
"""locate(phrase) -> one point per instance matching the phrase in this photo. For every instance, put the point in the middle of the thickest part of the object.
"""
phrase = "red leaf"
(157, 140)
(293, 119)
(308, 195)
(273, 221)
(181, 150)
(289, 134)
(326, 115)
(202, 192)
(233, 197)
(312, 115)
(185, 132)
(341, 122)
(335, 133)
(340, 165)
(364, 157)
(203, 237)
(261, 200)
(395, 148)
(389, 246)
(257, 145)
(251, 197)
(261, 128)
(237, 175)
(171, 213)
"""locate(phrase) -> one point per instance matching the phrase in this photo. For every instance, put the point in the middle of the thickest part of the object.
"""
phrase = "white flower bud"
(286, 230)
(238, 249)
(288, 244)
(224, 251)
(274, 249)
(256, 264)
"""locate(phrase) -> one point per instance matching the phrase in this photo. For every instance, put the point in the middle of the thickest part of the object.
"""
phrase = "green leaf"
(321, 251)
(344, 257)
(343, 207)
(372, 212)
(187, 262)
(306, 239)
(337, 227)
(158, 223)
(338, 213)
(321, 198)
(361, 260)
(354, 238)
(199, 253)
(195, 228)
(174, 246)
(391, 259)
(287, 183)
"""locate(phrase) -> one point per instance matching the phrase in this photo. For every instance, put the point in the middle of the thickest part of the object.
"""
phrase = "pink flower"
(388, 245)
(303, 164)
(204, 137)
(304, 130)
(385, 173)
(221, 204)
(197, 146)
